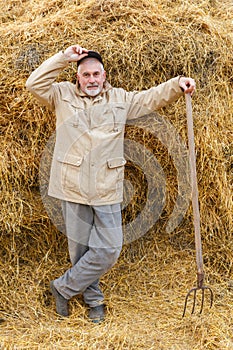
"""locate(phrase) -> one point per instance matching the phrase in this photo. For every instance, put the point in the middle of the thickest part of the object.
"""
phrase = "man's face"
(91, 76)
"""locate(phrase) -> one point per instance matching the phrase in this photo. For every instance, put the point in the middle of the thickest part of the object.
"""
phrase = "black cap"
(91, 54)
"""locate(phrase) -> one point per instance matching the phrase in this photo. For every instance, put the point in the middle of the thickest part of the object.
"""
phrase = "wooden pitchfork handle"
(196, 214)
(195, 205)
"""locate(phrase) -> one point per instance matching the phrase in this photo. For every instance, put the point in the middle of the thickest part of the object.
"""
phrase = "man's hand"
(188, 85)
(75, 53)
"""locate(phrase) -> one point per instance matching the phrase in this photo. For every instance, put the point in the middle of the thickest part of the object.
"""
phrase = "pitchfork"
(196, 217)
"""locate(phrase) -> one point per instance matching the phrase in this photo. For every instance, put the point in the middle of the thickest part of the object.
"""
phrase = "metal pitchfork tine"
(196, 216)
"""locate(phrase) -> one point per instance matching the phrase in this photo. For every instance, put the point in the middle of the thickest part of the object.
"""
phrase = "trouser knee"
(109, 256)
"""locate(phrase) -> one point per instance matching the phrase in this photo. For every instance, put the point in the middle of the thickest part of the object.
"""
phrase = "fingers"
(189, 90)
(75, 53)
(78, 49)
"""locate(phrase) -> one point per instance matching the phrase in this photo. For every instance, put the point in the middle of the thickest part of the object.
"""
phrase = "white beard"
(92, 93)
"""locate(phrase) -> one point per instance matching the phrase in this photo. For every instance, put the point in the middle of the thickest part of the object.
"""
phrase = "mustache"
(92, 85)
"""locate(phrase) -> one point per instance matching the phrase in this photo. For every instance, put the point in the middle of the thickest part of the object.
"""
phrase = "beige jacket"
(88, 160)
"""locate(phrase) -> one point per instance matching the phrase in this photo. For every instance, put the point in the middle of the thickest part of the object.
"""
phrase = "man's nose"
(91, 79)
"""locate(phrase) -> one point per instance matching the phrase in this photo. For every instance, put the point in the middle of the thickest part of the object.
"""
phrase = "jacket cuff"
(180, 76)
(61, 59)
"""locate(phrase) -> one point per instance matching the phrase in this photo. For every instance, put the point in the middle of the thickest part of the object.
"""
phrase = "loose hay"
(143, 43)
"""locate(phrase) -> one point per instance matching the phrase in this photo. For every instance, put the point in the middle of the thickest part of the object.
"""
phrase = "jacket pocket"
(70, 171)
(110, 177)
(116, 162)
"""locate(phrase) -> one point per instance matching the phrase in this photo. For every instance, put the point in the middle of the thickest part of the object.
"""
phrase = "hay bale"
(142, 43)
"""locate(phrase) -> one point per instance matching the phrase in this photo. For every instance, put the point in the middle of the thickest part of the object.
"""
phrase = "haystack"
(143, 43)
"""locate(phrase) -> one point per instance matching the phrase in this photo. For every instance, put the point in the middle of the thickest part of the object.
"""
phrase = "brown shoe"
(96, 313)
(61, 302)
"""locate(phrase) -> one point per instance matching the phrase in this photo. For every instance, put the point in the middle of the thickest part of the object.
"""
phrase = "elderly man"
(88, 164)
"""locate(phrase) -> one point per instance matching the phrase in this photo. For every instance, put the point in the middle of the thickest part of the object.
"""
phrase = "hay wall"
(142, 43)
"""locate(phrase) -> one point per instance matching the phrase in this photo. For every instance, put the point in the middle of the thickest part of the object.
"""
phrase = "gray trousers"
(94, 240)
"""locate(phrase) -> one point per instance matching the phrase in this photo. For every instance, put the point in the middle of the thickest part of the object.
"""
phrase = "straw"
(143, 44)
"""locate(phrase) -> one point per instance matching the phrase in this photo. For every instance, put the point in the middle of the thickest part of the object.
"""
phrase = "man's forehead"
(90, 64)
